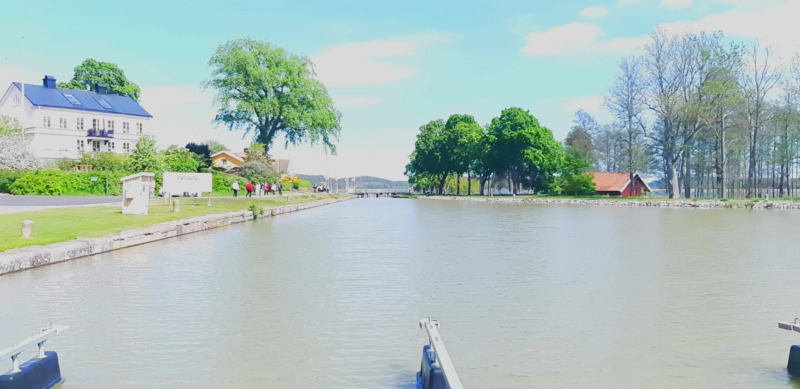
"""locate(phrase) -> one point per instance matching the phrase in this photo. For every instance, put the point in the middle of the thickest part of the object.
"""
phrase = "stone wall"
(35, 256)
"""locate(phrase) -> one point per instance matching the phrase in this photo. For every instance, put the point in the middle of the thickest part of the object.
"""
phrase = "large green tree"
(430, 161)
(462, 135)
(92, 72)
(268, 91)
(522, 149)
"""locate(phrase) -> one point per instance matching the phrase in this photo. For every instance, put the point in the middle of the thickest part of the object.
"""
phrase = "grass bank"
(64, 224)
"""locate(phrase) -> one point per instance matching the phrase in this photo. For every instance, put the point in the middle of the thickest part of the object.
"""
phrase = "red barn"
(619, 184)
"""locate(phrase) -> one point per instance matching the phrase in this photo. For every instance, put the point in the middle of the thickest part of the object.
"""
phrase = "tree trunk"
(458, 184)
(469, 183)
(441, 184)
(722, 160)
(687, 173)
(672, 181)
(511, 185)
(751, 168)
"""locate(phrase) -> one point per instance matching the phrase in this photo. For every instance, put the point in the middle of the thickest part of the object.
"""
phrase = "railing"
(440, 357)
(790, 325)
(38, 339)
(100, 133)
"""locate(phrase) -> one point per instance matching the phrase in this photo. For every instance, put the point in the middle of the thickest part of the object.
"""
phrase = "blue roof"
(40, 96)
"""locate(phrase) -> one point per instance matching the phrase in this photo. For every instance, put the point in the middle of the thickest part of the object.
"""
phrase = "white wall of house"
(57, 133)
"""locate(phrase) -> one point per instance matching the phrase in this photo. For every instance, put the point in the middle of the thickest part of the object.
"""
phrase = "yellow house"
(227, 159)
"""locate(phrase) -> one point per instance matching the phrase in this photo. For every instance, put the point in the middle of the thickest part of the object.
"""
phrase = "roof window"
(103, 103)
(72, 99)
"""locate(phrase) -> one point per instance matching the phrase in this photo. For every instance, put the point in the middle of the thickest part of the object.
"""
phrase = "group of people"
(320, 188)
(263, 188)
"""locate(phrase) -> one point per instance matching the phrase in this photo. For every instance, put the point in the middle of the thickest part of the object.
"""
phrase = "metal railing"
(440, 356)
(790, 325)
(100, 133)
(39, 338)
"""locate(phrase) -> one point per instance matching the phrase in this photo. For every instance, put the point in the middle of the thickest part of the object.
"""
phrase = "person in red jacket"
(249, 188)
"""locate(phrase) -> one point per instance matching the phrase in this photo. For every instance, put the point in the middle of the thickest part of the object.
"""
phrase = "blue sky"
(390, 66)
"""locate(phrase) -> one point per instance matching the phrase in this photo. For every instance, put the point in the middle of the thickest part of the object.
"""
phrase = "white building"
(63, 123)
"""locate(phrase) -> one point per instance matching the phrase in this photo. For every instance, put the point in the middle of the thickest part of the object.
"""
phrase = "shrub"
(180, 160)
(579, 185)
(56, 183)
(42, 182)
(104, 161)
(258, 171)
(7, 177)
(221, 182)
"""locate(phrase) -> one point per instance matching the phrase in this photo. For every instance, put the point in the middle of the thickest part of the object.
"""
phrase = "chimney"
(49, 82)
(100, 89)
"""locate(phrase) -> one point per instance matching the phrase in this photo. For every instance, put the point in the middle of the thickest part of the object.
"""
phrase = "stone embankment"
(661, 203)
(35, 256)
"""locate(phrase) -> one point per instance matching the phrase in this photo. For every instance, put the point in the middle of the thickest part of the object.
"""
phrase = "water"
(528, 296)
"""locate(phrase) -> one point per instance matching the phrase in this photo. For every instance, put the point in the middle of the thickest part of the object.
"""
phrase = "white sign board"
(192, 183)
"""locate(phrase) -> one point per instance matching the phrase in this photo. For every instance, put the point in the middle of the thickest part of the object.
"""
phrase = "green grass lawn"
(64, 224)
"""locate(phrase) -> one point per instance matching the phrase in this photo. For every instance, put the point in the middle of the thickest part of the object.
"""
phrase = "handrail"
(442, 358)
(15, 350)
(790, 325)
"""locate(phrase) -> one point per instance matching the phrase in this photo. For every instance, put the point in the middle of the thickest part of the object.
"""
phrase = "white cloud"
(676, 3)
(594, 12)
(627, 2)
(773, 25)
(371, 63)
(353, 101)
(576, 38)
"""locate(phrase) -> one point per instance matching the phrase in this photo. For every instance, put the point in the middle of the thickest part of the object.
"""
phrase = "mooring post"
(176, 206)
(27, 228)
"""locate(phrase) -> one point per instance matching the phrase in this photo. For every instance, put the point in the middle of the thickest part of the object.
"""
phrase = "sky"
(390, 67)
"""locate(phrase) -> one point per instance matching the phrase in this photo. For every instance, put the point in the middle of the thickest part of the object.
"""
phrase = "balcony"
(104, 134)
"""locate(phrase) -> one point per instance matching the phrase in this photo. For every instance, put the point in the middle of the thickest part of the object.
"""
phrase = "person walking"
(235, 187)
(280, 189)
(266, 188)
(249, 188)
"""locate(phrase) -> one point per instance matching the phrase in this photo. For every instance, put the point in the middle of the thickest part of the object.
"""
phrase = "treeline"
(713, 118)
(513, 151)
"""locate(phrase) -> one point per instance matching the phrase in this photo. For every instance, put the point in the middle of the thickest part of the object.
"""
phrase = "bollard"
(27, 228)
(176, 205)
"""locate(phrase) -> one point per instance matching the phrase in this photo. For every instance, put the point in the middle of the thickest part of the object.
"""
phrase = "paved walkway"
(16, 204)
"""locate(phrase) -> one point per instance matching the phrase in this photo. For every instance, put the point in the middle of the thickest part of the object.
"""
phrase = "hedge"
(57, 183)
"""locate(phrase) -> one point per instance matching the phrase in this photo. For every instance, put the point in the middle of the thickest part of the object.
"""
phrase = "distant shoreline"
(636, 202)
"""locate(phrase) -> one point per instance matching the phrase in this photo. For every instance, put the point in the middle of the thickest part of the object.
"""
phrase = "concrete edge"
(35, 256)
(704, 204)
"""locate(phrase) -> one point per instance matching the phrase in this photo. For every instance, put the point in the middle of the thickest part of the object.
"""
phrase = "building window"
(126, 127)
(139, 127)
(126, 147)
(79, 123)
(110, 146)
(46, 121)
(16, 100)
(95, 124)
(110, 125)
(95, 146)
(62, 122)
(81, 145)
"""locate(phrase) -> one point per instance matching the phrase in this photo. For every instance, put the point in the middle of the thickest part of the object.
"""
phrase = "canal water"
(527, 296)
